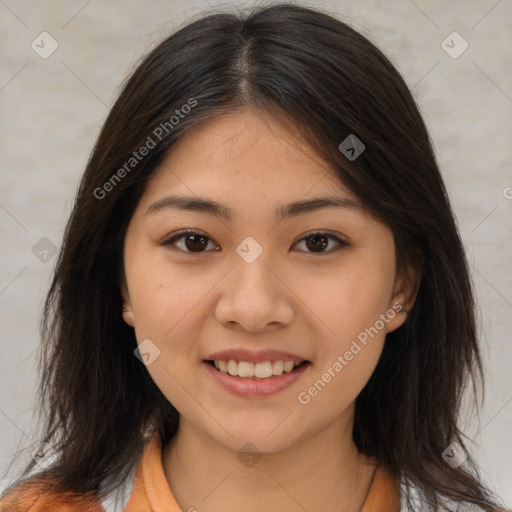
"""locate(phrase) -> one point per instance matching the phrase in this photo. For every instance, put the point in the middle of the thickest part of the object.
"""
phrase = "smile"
(263, 370)
(247, 379)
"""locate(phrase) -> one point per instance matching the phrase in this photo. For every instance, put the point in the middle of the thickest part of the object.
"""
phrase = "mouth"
(255, 371)
(255, 380)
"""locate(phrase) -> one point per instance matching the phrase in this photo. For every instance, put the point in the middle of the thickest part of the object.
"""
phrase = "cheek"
(332, 389)
(347, 300)
(347, 358)
(163, 294)
(166, 306)
(170, 305)
(349, 304)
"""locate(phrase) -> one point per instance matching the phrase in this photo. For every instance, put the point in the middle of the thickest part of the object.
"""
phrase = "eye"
(195, 242)
(318, 242)
(189, 241)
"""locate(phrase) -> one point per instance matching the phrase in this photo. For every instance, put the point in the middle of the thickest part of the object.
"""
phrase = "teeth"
(232, 367)
(262, 370)
(248, 370)
(288, 366)
(245, 369)
(277, 367)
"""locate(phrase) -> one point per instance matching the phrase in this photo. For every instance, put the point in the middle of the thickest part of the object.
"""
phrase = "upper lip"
(241, 354)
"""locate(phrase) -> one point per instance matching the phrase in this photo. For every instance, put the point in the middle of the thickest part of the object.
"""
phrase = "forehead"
(246, 152)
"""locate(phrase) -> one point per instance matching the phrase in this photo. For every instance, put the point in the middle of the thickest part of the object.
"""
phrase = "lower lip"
(256, 387)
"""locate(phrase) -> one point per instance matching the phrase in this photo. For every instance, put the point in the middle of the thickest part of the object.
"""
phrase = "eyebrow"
(210, 207)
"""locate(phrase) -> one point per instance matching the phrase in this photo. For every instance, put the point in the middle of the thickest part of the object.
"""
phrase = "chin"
(266, 436)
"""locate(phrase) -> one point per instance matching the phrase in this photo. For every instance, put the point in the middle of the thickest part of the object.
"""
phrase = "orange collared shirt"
(151, 492)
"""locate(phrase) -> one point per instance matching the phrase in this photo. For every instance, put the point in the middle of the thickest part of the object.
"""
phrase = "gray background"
(52, 110)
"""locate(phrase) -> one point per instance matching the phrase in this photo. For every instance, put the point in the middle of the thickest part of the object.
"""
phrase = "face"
(258, 285)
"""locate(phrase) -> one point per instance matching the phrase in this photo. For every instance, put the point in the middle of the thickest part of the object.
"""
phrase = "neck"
(311, 475)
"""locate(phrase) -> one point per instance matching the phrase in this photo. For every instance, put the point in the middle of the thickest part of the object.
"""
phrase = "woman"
(262, 301)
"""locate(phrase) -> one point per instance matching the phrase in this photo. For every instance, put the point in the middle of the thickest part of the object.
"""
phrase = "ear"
(405, 291)
(127, 311)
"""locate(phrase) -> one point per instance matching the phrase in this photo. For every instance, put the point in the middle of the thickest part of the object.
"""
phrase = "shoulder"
(40, 494)
(117, 498)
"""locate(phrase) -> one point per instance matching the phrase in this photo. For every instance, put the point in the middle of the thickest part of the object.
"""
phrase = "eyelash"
(169, 242)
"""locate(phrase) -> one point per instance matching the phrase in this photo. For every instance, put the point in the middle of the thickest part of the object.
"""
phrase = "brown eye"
(196, 242)
(189, 241)
(318, 242)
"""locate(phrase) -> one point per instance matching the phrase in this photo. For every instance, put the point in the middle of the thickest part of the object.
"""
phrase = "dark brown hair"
(312, 71)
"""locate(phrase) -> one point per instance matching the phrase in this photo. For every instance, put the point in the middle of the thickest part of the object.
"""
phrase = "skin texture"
(290, 298)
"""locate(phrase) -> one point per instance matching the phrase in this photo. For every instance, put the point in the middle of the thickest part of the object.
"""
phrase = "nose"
(255, 296)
